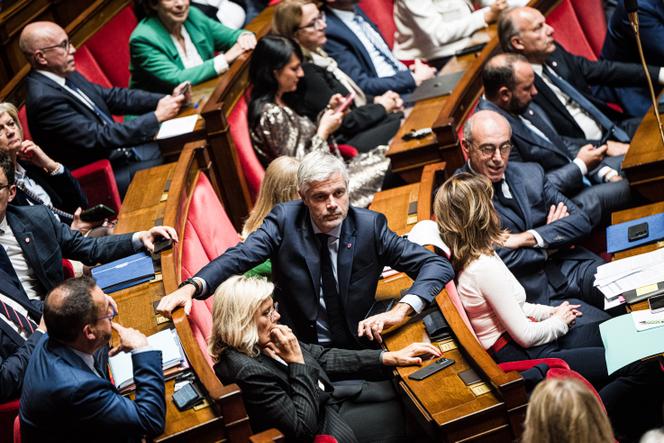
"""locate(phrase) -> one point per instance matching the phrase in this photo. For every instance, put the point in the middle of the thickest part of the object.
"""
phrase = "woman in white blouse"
(510, 328)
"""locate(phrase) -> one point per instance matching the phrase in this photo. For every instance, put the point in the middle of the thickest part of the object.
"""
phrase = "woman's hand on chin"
(283, 343)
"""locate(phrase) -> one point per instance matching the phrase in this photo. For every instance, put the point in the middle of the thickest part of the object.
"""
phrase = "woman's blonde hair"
(287, 17)
(467, 221)
(10, 109)
(279, 186)
(236, 301)
(564, 410)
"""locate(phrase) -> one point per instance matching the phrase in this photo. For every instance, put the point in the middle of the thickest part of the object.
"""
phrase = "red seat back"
(110, 46)
(381, 12)
(590, 14)
(17, 430)
(98, 183)
(87, 66)
(8, 412)
(239, 130)
(452, 293)
(23, 120)
(202, 242)
(569, 31)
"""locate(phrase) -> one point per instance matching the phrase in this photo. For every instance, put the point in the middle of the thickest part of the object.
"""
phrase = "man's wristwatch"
(196, 284)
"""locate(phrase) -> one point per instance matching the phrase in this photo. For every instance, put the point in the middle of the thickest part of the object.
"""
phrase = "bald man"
(569, 104)
(71, 117)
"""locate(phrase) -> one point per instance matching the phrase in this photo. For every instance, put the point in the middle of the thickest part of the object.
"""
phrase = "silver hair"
(318, 166)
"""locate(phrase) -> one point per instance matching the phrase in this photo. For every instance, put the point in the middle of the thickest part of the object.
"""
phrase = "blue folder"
(124, 273)
(616, 235)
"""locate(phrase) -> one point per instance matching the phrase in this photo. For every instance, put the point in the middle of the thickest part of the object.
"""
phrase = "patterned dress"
(280, 131)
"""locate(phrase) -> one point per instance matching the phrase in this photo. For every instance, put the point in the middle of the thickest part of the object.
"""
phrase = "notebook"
(124, 273)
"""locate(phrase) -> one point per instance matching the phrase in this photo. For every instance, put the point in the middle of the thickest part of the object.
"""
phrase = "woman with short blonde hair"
(564, 410)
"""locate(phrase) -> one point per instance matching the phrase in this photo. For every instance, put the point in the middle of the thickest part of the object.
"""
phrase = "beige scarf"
(320, 58)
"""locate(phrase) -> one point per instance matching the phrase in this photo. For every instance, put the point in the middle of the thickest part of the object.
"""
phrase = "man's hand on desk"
(180, 297)
(372, 327)
(410, 355)
(421, 71)
(149, 237)
(168, 107)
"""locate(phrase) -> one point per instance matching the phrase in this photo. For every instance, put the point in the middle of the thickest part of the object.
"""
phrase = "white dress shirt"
(24, 272)
(191, 58)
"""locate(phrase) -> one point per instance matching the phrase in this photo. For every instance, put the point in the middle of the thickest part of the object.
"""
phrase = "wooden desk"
(644, 162)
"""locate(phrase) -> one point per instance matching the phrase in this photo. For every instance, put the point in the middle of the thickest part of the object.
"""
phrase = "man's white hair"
(318, 166)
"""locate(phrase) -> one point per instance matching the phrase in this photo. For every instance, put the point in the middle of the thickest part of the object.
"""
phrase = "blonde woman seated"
(564, 410)
(279, 185)
(511, 329)
(286, 384)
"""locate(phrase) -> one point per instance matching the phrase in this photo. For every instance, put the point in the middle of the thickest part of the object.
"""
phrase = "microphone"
(632, 6)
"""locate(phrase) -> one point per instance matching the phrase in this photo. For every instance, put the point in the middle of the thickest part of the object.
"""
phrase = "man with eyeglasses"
(544, 225)
(71, 117)
(67, 395)
(581, 170)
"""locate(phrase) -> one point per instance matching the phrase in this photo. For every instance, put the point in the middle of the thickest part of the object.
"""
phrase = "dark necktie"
(335, 316)
(20, 320)
(8, 268)
(507, 202)
(533, 115)
(586, 105)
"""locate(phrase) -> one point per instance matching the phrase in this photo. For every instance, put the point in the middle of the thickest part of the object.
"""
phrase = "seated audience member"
(355, 43)
(67, 395)
(279, 185)
(372, 121)
(228, 13)
(286, 384)
(564, 79)
(175, 43)
(587, 174)
(276, 129)
(33, 242)
(39, 179)
(620, 45)
(70, 117)
(544, 225)
(564, 410)
(512, 329)
(436, 29)
(327, 257)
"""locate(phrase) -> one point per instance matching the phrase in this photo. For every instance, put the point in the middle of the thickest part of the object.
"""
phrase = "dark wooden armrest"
(427, 184)
(269, 436)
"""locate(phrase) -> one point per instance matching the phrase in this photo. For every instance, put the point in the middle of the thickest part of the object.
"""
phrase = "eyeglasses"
(273, 311)
(10, 125)
(110, 316)
(317, 23)
(64, 44)
(489, 150)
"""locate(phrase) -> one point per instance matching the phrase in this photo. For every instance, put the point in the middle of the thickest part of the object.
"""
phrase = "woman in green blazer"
(173, 43)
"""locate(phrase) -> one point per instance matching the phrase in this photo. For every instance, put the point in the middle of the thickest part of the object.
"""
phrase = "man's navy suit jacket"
(64, 401)
(71, 132)
(366, 245)
(353, 59)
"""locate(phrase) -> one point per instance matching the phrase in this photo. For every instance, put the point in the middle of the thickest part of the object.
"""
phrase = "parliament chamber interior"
(497, 274)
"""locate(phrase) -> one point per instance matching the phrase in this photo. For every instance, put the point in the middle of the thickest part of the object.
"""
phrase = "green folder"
(625, 345)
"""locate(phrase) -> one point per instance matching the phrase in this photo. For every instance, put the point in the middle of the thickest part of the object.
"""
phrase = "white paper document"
(620, 276)
(645, 319)
(177, 126)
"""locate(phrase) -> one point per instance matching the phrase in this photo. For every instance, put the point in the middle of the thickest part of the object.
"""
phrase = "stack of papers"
(620, 276)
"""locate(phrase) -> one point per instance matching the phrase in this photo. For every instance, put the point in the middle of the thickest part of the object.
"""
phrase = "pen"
(651, 322)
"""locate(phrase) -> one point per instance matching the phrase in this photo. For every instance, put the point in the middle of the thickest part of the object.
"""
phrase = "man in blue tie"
(362, 53)
(564, 80)
(71, 117)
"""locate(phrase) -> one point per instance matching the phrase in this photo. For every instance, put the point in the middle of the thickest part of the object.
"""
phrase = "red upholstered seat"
(17, 430)
(590, 14)
(239, 130)
(98, 183)
(110, 46)
(202, 242)
(87, 66)
(23, 119)
(569, 31)
(381, 12)
(8, 411)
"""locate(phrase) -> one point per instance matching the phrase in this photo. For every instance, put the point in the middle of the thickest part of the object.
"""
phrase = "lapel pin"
(554, 63)
(27, 239)
(530, 111)
(349, 245)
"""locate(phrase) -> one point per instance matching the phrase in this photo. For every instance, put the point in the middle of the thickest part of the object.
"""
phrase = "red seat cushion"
(8, 412)
(568, 30)
(98, 183)
(110, 46)
(23, 120)
(239, 130)
(381, 12)
(590, 14)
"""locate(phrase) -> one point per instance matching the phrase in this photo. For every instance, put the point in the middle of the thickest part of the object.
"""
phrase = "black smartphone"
(162, 244)
(656, 303)
(431, 369)
(97, 213)
(186, 89)
(637, 232)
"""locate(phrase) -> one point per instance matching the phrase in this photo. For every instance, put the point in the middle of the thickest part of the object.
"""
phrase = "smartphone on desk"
(431, 369)
(97, 213)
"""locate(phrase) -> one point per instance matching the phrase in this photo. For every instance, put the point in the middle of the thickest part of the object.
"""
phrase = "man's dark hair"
(7, 165)
(499, 72)
(74, 309)
(507, 30)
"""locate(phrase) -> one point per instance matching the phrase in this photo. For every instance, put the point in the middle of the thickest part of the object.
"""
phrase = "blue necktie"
(587, 105)
(377, 42)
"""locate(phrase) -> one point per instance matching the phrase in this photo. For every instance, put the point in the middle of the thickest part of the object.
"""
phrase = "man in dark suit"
(66, 395)
(544, 225)
(327, 258)
(583, 173)
(362, 53)
(564, 80)
(70, 117)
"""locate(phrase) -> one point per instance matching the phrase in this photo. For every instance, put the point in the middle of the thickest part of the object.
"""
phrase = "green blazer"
(155, 63)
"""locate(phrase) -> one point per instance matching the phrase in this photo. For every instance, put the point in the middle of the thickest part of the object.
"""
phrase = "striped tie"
(21, 321)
